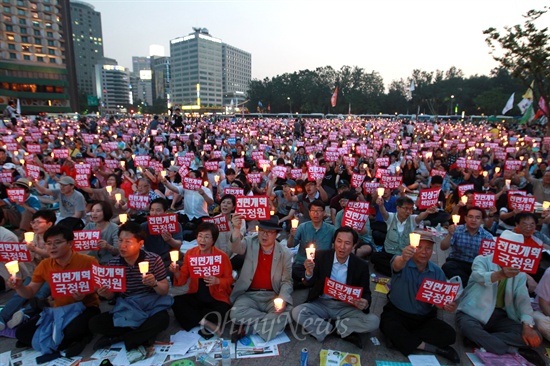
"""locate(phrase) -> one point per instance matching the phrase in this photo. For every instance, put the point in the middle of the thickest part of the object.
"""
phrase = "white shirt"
(194, 204)
(338, 273)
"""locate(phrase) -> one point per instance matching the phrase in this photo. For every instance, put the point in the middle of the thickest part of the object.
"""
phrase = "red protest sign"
(463, 188)
(113, 277)
(356, 215)
(34, 148)
(219, 221)
(163, 223)
(142, 160)
(138, 201)
(211, 165)
(279, 171)
(112, 163)
(487, 247)
(513, 165)
(16, 195)
(85, 240)
(234, 191)
(315, 172)
(370, 187)
(391, 182)
(61, 153)
(6, 177)
(332, 156)
(192, 184)
(522, 256)
(295, 173)
(523, 203)
(357, 179)
(66, 283)
(33, 171)
(84, 169)
(205, 265)
(341, 291)
(254, 178)
(183, 161)
(428, 198)
(183, 172)
(520, 192)
(435, 172)
(382, 173)
(239, 162)
(82, 181)
(383, 162)
(474, 164)
(14, 252)
(437, 292)
(253, 207)
(484, 200)
(52, 168)
(349, 161)
(94, 162)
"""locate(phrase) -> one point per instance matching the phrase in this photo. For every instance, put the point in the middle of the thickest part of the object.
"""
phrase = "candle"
(497, 169)
(507, 182)
(143, 267)
(485, 173)
(122, 163)
(205, 183)
(310, 252)
(380, 191)
(123, 218)
(174, 256)
(13, 268)
(217, 179)
(294, 223)
(530, 161)
(257, 228)
(272, 212)
(118, 197)
(29, 237)
(539, 160)
(109, 189)
(546, 205)
(397, 170)
(414, 239)
(464, 199)
(278, 302)
(22, 161)
(456, 219)
(163, 173)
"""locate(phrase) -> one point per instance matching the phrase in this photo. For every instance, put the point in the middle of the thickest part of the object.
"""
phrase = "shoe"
(449, 353)
(103, 342)
(237, 334)
(16, 319)
(76, 348)
(532, 356)
(354, 339)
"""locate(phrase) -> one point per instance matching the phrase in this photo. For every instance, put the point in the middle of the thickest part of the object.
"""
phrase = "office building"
(237, 73)
(112, 84)
(88, 44)
(160, 67)
(36, 56)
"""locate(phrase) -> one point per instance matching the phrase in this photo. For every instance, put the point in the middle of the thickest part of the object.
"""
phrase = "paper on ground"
(424, 360)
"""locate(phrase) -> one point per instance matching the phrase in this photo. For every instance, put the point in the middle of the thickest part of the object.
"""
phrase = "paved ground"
(290, 352)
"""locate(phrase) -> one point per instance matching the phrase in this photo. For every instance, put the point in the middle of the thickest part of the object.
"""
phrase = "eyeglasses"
(204, 237)
(317, 211)
(266, 232)
(55, 243)
(36, 222)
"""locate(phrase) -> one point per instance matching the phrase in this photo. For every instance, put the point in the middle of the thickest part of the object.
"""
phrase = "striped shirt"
(465, 247)
(134, 279)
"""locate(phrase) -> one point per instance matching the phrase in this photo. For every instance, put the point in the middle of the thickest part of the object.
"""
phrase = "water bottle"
(206, 359)
(438, 227)
(226, 354)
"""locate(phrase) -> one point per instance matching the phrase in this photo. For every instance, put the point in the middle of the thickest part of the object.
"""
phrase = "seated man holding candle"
(495, 309)
(400, 225)
(262, 296)
(75, 334)
(165, 242)
(340, 265)
(410, 324)
(464, 241)
(207, 300)
(315, 232)
(141, 312)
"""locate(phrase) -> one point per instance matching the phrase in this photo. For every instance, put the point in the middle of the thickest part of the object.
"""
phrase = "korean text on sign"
(522, 203)
(487, 247)
(86, 240)
(356, 215)
(138, 201)
(437, 292)
(428, 198)
(522, 256)
(16, 195)
(192, 184)
(253, 207)
(484, 200)
(14, 252)
(205, 265)
(315, 172)
(342, 291)
(163, 223)
(219, 221)
(391, 182)
(114, 277)
(66, 283)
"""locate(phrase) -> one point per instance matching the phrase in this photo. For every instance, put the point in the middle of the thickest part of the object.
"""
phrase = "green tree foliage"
(524, 51)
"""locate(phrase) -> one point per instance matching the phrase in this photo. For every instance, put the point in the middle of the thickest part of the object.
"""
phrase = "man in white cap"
(266, 275)
(71, 202)
(495, 309)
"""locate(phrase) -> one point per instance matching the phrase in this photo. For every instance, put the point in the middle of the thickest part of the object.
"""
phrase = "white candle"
(29, 237)
(217, 179)
(123, 218)
(414, 239)
(464, 199)
(272, 212)
(310, 252)
(118, 197)
(205, 183)
(546, 205)
(508, 182)
(278, 302)
(294, 223)
(497, 169)
(122, 163)
(109, 189)
(163, 173)
(13, 268)
(456, 219)
(174, 256)
(485, 173)
(380, 191)
(143, 267)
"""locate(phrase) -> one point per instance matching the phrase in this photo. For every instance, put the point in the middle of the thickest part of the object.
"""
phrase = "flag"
(333, 98)
(524, 104)
(509, 104)
(529, 93)
(528, 116)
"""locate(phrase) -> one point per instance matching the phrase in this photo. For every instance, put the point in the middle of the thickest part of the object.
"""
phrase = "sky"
(391, 37)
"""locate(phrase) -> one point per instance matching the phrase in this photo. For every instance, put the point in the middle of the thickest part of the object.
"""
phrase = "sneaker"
(76, 348)
(355, 339)
(17, 319)
(449, 353)
(104, 342)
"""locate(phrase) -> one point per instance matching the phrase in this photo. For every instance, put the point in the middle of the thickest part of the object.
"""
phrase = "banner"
(334, 98)
(523, 203)
(356, 215)
(253, 207)
(14, 252)
(163, 223)
(522, 256)
(341, 291)
(484, 200)
(138, 201)
(487, 247)
(428, 198)
(85, 240)
(219, 221)
(437, 292)
(205, 265)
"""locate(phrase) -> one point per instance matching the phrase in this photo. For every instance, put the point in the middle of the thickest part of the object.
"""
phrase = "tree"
(525, 52)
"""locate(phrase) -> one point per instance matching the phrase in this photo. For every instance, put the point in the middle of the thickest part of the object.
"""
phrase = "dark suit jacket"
(358, 274)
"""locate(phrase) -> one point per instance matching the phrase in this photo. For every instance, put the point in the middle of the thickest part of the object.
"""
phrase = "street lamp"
(451, 106)
(290, 104)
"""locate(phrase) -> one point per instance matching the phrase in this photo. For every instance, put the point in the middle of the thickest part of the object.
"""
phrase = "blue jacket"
(132, 311)
(53, 321)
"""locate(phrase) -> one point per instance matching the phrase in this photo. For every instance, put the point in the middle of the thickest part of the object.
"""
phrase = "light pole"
(290, 104)
(451, 106)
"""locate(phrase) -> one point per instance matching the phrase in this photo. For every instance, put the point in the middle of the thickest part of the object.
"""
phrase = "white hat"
(512, 236)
